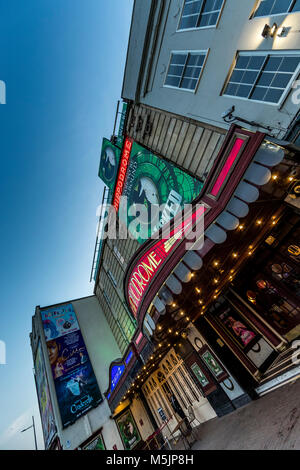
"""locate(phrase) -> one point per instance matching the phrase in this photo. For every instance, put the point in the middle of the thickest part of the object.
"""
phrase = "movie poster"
(128, 430)
(46, 410)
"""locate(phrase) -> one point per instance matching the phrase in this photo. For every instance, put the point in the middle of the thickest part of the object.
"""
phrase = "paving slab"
(271, 422)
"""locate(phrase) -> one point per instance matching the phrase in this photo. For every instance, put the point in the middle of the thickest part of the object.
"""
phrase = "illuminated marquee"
(155, 257)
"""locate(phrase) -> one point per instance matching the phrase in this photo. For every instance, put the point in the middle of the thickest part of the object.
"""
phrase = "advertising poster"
(153, 181)
(199, 374)
(109, 163)
(75, 383)
(128, 430)
(96, 444)
(59, 321)
(238, 329)
(66, 353)
(47, 418)
(212, 364)
(77, 392)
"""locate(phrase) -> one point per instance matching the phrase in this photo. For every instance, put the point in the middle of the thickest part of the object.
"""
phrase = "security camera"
(228, 113)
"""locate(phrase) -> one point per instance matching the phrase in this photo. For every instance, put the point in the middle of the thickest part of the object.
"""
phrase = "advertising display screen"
(75, 383)
(46, 410)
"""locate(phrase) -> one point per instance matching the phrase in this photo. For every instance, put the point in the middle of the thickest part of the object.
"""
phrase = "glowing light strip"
(226, 168)
(122, 172)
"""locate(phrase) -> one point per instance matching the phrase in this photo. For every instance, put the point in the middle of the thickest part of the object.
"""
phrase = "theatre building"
(217, 319)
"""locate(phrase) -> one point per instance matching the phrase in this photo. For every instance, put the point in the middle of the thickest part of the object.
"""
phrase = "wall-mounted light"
(269, 31)
(282, 31)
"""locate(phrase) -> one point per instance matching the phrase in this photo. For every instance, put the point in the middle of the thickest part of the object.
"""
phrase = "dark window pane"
(192, 72)
(250, 77)
(204, 20)
(242, 62)
(273, 63)
(281, 6)
(188, 22)
(218, 4)
(231, 89)
(296, 7)
(189, 83)
(192, 8)
(172, 81)
(209, 5)
(273, 95)
(258, 94)
(264, 8)
(281, 80)
(265, 79)
(178, 59)
(213, 19)
(237, 76)
(175, 70)
(243, 91)
(289, 64)
(195, 60)
(256, 62)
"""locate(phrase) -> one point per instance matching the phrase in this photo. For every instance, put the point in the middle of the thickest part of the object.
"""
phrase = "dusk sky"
(62, 62)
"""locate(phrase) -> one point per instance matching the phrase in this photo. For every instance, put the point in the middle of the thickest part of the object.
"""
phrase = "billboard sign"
(152, 182)
(109, 163)
(46, 410)
(75, 383)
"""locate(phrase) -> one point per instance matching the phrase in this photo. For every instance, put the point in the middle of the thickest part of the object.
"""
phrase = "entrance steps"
(284, 369)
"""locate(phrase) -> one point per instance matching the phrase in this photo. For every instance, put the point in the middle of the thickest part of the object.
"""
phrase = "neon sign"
(228, 164)
(147, 266)
(116, 374)
(122, 172)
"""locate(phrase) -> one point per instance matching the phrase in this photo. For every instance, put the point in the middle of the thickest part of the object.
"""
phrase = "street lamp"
(32, 426)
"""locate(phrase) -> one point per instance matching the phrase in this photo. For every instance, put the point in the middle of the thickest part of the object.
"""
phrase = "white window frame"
(270, 53)
(252, 17)
(204, 52)
(196, 28)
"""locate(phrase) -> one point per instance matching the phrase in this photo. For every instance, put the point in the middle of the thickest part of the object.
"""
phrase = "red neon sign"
(228, 164)
(122, 172)
(147, 266)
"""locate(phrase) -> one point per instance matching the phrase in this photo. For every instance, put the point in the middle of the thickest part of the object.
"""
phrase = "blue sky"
(62, 62)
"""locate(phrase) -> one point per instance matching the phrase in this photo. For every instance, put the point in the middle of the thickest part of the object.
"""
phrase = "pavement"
(271, 422)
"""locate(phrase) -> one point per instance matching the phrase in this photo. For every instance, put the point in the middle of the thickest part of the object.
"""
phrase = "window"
(262, 77)
(276, 7)
(185, 69)
(111, 276)
(200, 13)
(118, 254)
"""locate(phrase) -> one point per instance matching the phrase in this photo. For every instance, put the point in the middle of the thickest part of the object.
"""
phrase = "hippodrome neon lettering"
(122, 172)
(148, 265)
